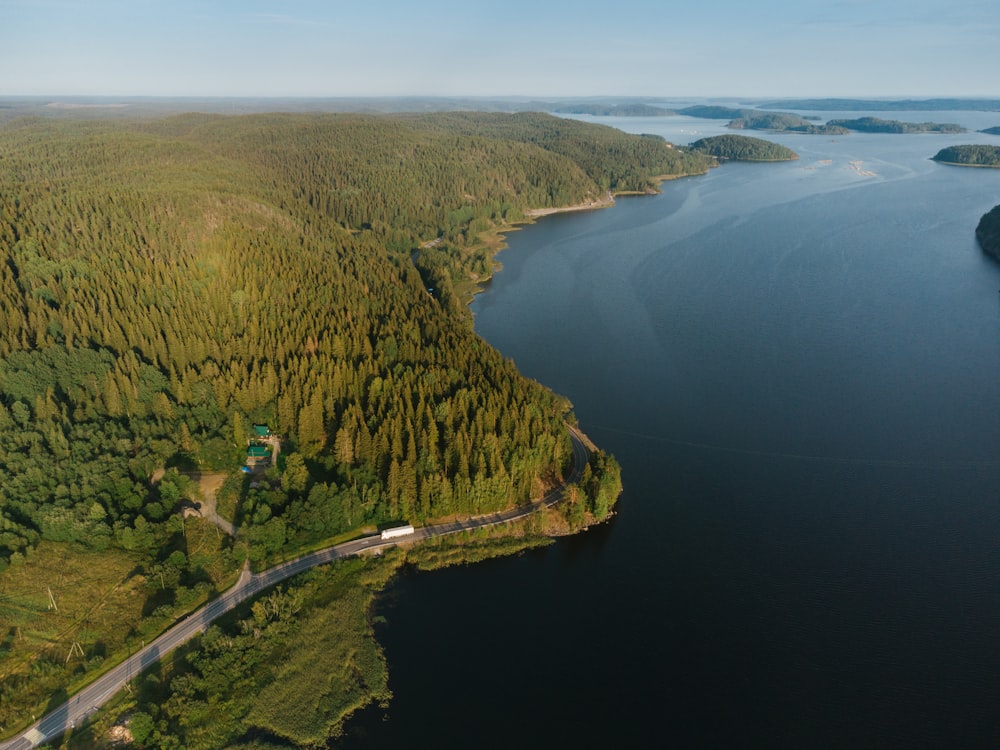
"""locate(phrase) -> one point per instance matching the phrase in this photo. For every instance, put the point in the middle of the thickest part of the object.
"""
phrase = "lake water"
(797, 366)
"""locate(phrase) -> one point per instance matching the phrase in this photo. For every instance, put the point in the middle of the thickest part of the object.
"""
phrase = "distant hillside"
(893, 105)
(991, 131)
(710, 112)
(615, 161)
(988, 233)
(876, 125)
(970, 156)
(743, 148)
(614, 110)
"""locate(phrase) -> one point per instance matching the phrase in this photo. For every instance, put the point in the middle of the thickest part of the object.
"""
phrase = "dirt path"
(209, 483)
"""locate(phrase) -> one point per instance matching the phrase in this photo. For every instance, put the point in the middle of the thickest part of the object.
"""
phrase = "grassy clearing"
(98, 612)
(49, 643)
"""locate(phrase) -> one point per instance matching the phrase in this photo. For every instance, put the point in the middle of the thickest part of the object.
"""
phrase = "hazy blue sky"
(518, 47)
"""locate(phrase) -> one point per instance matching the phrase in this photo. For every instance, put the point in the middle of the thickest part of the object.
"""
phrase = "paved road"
(89, 700)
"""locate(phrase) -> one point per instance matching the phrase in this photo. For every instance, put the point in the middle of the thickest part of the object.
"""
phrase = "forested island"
(988, 233)
(971, 155)
(877, 125)
(991, 131)
(755, 119)
(183, 296)
(743, 148)
(783, 121)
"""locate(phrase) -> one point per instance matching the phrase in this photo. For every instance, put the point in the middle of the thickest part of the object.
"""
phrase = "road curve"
(79, 707)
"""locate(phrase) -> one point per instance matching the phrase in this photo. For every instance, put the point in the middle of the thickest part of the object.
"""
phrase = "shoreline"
(609, 198)
(965, 164)
(606, 202)
(495, 237)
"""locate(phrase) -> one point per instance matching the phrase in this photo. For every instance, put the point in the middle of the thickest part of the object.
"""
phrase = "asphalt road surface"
(75, 711)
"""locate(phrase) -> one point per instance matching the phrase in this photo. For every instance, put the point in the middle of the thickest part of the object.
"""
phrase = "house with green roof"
(258, 453)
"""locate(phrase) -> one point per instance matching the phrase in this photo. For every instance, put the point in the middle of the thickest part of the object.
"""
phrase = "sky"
(533, 48)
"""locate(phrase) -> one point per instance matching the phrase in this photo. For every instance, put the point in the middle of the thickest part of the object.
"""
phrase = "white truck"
(397, 531)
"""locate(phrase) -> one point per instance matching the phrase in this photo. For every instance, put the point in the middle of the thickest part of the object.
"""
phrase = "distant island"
(755, 119)
(970, 156)
(598, 109)
(784, 121)
(876, 125)
(991, 131)
(743, 148)
(988, 233)
(896, 105)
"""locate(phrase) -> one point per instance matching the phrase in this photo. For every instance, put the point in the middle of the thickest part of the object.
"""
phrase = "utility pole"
(75, 648)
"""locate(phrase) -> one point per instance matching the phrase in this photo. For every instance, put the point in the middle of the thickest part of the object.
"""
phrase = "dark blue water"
(797, 367)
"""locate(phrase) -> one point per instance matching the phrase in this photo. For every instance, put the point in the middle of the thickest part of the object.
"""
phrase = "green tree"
(296, 475)
(141, 726)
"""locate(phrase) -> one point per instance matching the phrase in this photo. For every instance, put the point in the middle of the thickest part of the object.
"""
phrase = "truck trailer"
(397, 531)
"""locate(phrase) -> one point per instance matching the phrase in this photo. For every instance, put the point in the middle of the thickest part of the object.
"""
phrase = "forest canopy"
(167, 284)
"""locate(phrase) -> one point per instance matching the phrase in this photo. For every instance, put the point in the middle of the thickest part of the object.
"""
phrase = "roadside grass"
(476, 545)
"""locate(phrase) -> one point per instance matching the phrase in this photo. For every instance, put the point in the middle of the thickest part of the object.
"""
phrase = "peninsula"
(988, 233)
(275, 300)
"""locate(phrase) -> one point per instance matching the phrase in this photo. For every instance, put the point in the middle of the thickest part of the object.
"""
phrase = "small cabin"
(258, 451)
